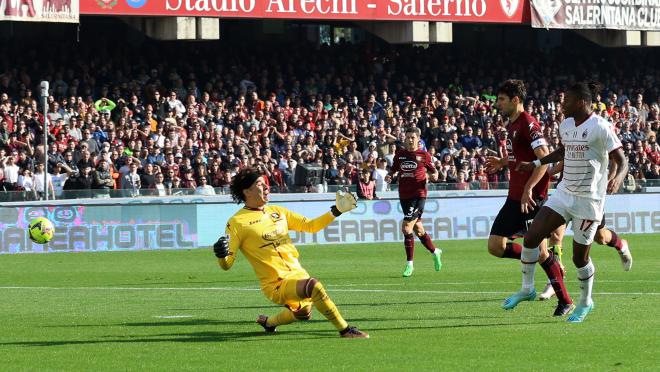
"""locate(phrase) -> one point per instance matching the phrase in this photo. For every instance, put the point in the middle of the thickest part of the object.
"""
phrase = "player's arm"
(614, 148)
(495, 164)
(396, 166)
(620, 163)
(527, 201)
(430, 166)
(226, 247)
(555, 169)
(554, 157)
(611, 171)
(345, 202)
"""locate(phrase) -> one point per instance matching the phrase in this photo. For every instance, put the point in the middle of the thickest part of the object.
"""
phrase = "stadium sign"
(64, 11)
(499, 11)
(597, 14)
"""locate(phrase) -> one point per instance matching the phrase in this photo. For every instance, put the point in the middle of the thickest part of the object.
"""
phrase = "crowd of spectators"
(149, 122)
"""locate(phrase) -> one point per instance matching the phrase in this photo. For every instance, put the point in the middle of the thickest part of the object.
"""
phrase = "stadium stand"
(196, 110)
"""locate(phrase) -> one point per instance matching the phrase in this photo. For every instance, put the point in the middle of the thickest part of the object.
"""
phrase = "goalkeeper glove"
(221, 247)
(344, 202)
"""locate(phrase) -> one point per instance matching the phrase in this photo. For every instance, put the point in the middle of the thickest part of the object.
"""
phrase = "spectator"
(58, 179)
(203, 188)
(379, 176)
(39, 183)
(11, 173)
(366, 187)
(26, 184)
(80, 184)
(130, 182)
(159, 187)
(462, 183)
(104, 106)
(102, 180)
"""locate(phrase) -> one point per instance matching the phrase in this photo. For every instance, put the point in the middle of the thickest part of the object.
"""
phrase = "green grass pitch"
(176, 310)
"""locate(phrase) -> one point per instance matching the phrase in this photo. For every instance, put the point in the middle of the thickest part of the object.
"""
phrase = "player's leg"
(544, 223)
(313, 289)
(555, 242)
(296, 308)
(424, 237)
(508, 222)
(583, 235)
(605, 236)
(555, 274)
(409, 207)
(555, 248)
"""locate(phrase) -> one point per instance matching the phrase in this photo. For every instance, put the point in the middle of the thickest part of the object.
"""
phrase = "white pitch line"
(229, 289)
(474, 283)
(172, 316)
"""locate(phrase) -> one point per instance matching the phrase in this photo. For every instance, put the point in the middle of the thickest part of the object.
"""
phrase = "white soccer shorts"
(584, 213)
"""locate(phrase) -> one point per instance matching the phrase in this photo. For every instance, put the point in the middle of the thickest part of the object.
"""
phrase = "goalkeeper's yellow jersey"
(263, 237)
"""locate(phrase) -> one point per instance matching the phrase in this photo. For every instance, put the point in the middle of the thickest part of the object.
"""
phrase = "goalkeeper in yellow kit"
(261, 232)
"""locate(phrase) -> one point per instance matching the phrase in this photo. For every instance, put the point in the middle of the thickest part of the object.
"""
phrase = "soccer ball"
(41, 230)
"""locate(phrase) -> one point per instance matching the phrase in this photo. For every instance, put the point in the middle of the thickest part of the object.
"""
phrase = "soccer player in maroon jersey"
(411, 164)
(527, 191)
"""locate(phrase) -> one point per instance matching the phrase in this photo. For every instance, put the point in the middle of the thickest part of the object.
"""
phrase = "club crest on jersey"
(275, 216)
(585, 134)
(419, 158)
(515, 134)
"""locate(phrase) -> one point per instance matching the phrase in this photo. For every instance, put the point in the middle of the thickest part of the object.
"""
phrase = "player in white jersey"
(587, 145)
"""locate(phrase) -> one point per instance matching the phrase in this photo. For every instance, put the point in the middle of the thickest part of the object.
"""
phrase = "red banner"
(493, 11)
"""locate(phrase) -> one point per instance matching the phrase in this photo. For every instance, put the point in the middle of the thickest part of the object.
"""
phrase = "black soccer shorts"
(511, 222)
(412, 208)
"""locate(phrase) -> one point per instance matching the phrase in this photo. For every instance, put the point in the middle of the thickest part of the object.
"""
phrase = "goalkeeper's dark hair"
(242, 181)
(587, 91)
(514, 88)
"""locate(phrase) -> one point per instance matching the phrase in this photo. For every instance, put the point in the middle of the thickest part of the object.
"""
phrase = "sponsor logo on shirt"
(273, 234)
(408, 165)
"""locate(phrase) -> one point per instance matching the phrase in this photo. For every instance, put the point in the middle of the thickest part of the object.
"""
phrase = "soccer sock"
(512, 250)
(553, 270)
(586, 276)
(409, 244)
(325, 306)
(283, 317)
(428, 243)
(615, 242)
(528, 259)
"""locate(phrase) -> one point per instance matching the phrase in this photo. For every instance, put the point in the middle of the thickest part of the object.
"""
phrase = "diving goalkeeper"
(261, 232)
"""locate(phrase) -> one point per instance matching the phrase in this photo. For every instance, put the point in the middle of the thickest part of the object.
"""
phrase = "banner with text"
(498, 11)
(380, 220)
(65, 11)
(106, 228)
(603, 14)
(132, 227)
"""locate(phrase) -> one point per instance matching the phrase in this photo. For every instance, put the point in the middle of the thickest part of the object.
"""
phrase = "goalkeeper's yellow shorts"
(283, 292)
